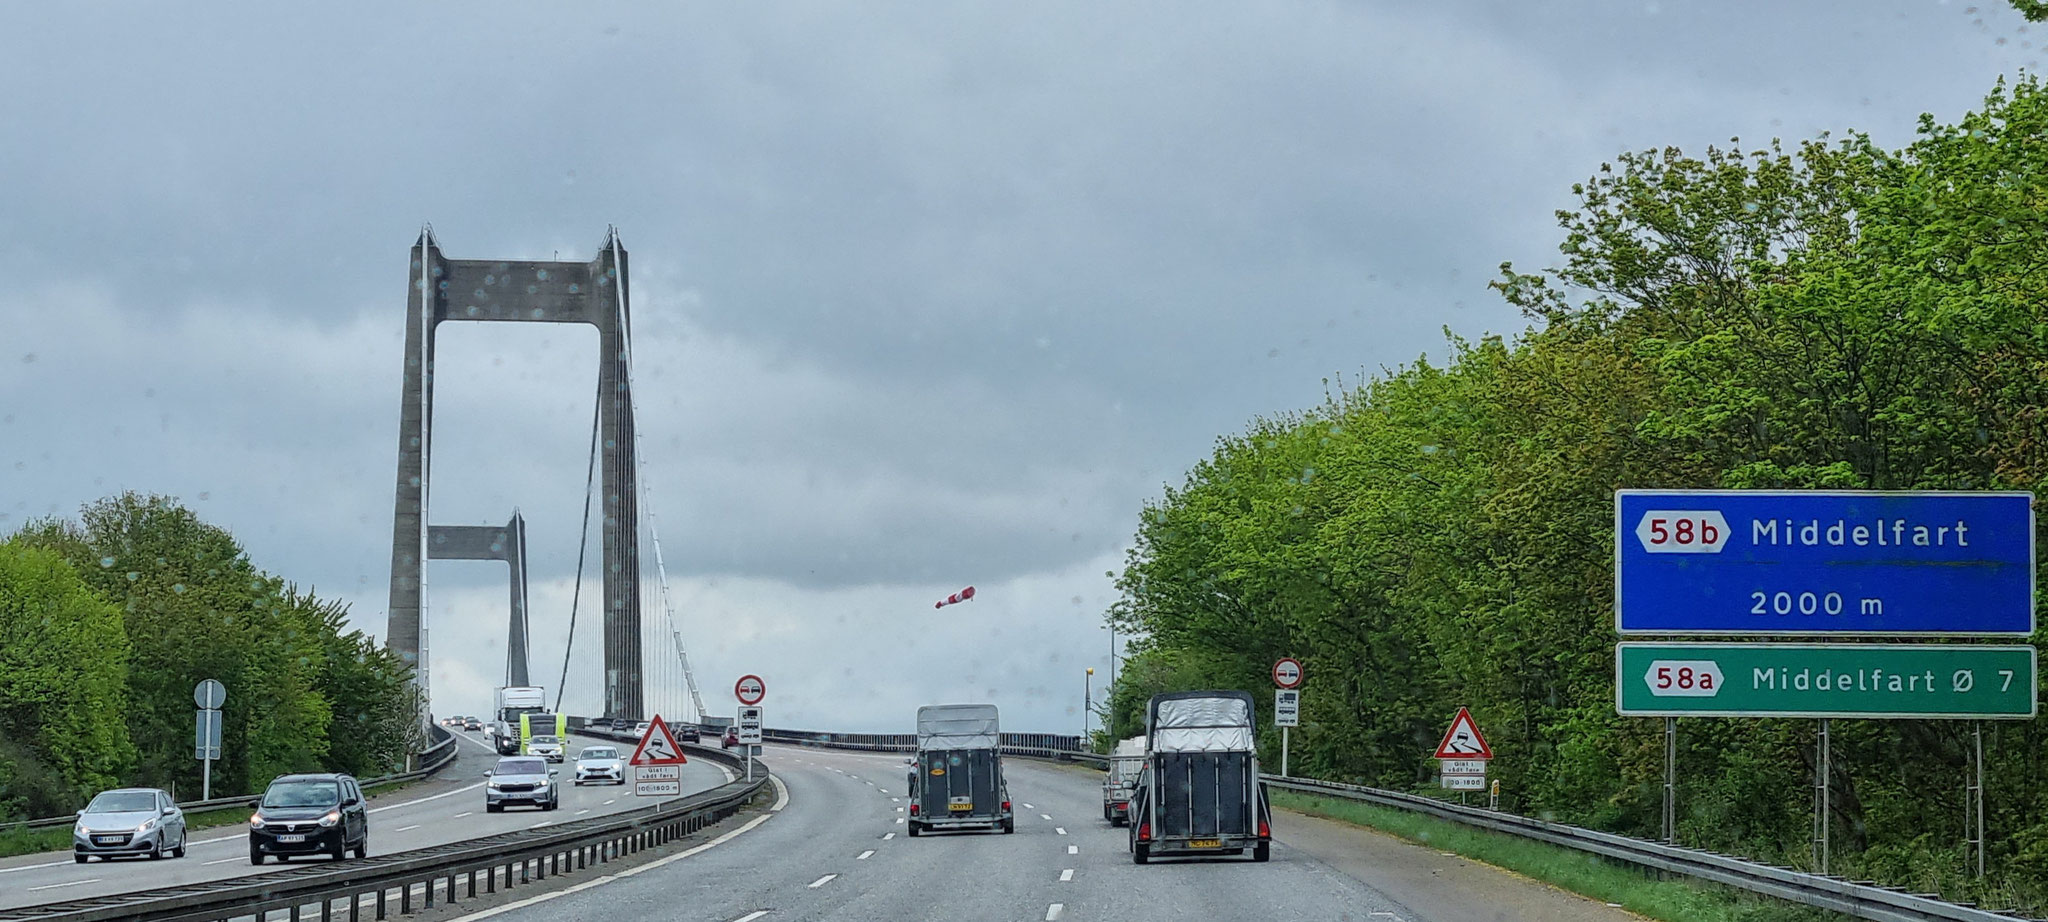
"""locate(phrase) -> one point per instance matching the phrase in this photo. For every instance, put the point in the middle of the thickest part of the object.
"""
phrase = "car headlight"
(255, 821)
(82, 829)
(332, 817)
(146, 825)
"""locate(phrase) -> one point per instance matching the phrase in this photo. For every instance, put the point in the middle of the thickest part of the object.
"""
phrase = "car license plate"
(1205, 843)
(106, 840)
(287, 839)
(959, 808)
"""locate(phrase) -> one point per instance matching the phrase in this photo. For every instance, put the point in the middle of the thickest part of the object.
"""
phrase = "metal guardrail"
(410, 881)
(431, 759)
(1860, 900)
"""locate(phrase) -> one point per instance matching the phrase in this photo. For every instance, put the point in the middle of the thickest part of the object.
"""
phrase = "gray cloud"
(922, 297)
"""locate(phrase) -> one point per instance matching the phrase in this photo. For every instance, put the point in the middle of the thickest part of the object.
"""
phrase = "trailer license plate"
(291, 838)
(959, 808)
(1205, 843)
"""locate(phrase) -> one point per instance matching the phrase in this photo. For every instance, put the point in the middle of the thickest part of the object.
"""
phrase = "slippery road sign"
(1462, 740)
(658, 746)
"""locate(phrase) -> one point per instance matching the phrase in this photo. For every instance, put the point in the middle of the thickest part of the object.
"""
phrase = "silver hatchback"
(129, 821)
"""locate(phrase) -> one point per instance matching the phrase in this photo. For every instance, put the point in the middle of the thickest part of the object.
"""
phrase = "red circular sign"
(749, 689)
(1287, 673)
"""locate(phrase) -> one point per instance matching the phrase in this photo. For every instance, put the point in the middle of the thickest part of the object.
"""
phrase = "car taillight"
(1006, 805)
(1265, 831)
(1145, 831)
(913, 809)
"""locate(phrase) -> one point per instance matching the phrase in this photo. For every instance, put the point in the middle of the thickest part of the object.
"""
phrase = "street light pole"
(1087, 703)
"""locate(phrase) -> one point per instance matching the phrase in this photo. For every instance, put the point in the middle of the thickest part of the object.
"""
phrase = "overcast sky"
(924, 295)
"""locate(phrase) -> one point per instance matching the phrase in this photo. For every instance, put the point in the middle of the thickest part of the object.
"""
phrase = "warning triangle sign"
(1463, 741)
(658, 746)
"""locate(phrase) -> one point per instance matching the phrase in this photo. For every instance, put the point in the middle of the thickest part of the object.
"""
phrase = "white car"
(600, 764)
(547, 747)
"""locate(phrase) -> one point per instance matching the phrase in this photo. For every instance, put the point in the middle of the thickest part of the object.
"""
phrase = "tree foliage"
(305, 692)
(1832, 314)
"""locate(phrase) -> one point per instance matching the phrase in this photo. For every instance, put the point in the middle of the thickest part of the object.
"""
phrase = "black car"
(688, 733)
(310, 815)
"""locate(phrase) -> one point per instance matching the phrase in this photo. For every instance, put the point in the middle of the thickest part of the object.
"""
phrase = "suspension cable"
(582, 546)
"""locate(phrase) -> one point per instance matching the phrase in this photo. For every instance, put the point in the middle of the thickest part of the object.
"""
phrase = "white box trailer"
(1126, 760)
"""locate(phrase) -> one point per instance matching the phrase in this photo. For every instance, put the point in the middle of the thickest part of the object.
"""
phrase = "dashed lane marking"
(1045, 816)
(629, 872)
(750, 917)
(224, 860)
(68, 883)
(822, 881)
(407, 828)
(863, 856)
(888, 837)
(1073, 849)
(1029, 807)
(1066, 875)
(1053, 912)
(581, 812)
(1062, 830)
(608, 803)
(465, 813)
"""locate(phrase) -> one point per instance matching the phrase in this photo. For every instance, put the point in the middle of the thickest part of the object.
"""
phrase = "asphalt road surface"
(838, 851)
(446, 808)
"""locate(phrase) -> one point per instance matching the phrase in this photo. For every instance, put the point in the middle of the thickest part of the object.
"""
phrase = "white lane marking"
(69, 883)
(750, 917)
(1029, 807)
(895, 800)
(883, 791)
(578, 813)
(899, 819)
(608, 803)
(1073, 849)
(1062, 830)
(781, 794)
(853, 776)
(729, 776)
(542, 823)
(629, 872)
(899, 809)
(50, 864)
(407, 828)
(464, 813)
(888, 837)
(822, 881)
(222, 860)
(863, 856)
(1045, 816)
(1053, 912)
(421, 800)
(1066, 875)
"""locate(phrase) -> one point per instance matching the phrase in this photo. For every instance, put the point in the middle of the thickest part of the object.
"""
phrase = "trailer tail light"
(1265, 830)
(1006, 806)
(1145, 831)
(913, 808)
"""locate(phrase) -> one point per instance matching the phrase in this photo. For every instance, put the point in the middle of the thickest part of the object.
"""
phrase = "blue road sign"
(1814, 562)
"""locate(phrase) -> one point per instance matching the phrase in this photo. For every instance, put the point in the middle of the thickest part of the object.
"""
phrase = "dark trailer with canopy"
(957, 779)
(1199, 791)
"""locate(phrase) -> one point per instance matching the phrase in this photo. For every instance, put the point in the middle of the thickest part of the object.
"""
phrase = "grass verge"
(1672, 899)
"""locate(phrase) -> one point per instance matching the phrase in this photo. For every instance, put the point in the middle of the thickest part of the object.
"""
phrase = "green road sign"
(1823, 680)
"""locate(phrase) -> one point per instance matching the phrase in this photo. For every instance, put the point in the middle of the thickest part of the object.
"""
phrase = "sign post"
(1822, 563)
(209, 695)
(749, 690)
(657, 762)
(1462, 755)
(1286, 702)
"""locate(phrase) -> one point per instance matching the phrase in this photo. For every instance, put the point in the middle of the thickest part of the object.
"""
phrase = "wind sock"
(956, 598)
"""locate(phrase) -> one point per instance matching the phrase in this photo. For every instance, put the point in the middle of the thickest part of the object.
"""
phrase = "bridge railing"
(439, 752)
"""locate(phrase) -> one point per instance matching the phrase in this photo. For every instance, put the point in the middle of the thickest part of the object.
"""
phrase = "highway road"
(445, 808)
(838, 851)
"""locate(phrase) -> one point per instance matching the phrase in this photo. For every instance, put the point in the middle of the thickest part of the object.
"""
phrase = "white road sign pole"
(209, 695)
